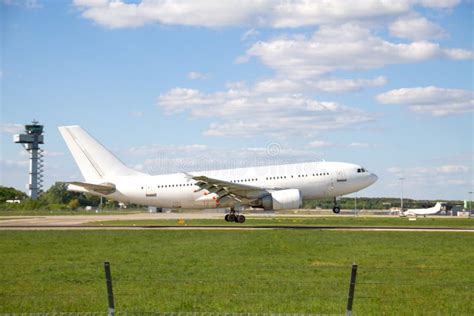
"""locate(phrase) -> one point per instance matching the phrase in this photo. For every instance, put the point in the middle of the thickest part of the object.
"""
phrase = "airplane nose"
(373, 178)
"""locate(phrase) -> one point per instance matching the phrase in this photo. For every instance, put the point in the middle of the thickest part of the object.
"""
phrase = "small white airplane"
(423, 211)
(275, 187)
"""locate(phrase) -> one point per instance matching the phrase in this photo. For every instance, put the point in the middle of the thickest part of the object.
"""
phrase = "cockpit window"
(361, 170)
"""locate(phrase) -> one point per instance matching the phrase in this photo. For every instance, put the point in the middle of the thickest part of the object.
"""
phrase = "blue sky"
(205, 84)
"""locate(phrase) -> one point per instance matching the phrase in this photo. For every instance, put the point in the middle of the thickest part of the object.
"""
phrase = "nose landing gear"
(336, 209)
(233, 217)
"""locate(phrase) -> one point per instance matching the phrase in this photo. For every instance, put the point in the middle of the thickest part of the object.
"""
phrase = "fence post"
(110, 293)
(350, 296)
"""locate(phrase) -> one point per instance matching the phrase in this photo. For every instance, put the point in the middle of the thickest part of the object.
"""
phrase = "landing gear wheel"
(226, 217)
(231, 217)
(240, 219)
(336, 209)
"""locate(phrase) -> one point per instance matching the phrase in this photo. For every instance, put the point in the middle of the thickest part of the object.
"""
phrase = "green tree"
(8, 193)
(88, 199)
(57, 194)
(73, 204)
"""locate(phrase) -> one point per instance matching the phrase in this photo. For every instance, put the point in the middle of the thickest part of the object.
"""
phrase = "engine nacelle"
(282, 200)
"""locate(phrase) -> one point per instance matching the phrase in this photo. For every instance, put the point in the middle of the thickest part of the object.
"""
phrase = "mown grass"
(305, 221)
(237, 271)
(16, 213)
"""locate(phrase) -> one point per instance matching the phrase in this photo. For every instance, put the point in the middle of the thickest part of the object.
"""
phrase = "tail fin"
(94, 160)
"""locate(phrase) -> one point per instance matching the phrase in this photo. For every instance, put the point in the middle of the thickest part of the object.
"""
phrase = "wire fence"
(149, 289)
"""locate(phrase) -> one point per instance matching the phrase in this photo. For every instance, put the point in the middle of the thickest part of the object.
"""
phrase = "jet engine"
(282, 200)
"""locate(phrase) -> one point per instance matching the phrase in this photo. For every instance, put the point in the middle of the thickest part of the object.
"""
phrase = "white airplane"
(423, 211)
(275, 187)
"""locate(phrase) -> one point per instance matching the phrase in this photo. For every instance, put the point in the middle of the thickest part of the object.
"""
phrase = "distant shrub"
(57, 207)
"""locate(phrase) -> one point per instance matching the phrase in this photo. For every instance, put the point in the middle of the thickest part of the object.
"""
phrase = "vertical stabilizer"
(94, 160)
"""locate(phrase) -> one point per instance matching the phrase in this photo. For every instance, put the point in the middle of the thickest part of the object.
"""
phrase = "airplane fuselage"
(314, 180)
(277, 187)
(423, 211)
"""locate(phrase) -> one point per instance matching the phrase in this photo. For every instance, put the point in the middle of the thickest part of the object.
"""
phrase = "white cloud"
(416, 172)
(341, 85)
(161, 159)
(282, 85)
(48, 153)
(395, 170)
(14, 163)
(458, 54)
(432, 176)
(169, 149)
(11, 128)
(91, 3)
(118, 14)
(278, 14)
(320, 144)
(359, 145)
(305, 13)
(344, 47)
(28, 4)
(249, 35)
(433, 100)
(416, 28)
(458, 182)
(242, 111)
(194, 75)
(438, 4)
(452, 169)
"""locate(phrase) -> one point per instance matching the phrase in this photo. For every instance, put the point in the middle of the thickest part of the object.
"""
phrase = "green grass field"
(16, 213)
(237, 271)
(333, 220)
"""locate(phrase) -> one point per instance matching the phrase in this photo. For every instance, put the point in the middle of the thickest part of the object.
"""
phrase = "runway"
(234, 228)
(67, 220)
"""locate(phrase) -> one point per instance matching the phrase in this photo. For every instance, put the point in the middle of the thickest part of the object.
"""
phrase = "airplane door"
(330, 185)
(341, 176)
(150, 191)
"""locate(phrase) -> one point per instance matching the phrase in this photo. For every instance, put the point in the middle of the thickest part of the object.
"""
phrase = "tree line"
(382, 203)
(57, 197)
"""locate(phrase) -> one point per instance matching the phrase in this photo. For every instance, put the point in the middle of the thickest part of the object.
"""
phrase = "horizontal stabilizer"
(104, 188)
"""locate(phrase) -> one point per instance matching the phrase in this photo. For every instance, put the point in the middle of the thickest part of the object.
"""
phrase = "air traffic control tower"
(31, 140)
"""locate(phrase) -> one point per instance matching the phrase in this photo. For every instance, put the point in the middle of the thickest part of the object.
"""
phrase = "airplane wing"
(226, 190)
(104, 188)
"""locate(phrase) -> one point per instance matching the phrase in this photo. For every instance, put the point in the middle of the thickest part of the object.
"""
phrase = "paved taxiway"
(83, 219)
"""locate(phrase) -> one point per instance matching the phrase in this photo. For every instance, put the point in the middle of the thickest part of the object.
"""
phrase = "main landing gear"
(233, 217)
(336, 209)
